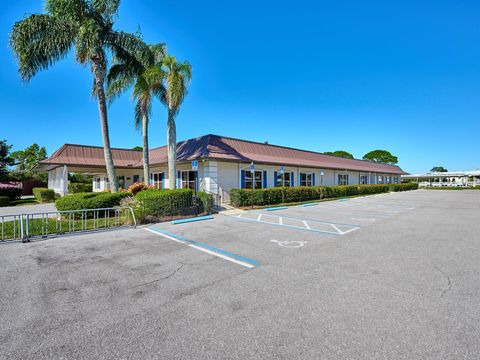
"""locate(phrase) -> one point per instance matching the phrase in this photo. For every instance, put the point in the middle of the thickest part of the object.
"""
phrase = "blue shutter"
(242, 180)
(275, 181)
(196, 180)
(313, 179)
(162, 177)
(292, 178)
(150, 182)
(179, 179)
(265, 179)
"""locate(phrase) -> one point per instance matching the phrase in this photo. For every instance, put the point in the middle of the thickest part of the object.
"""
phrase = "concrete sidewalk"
(27, 209)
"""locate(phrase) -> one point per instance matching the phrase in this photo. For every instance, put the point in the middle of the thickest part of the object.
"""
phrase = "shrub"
(403, 187)
(75, 188)
(43, 194)
(90, 201)
(137, 187)
(206, 202)
(11, 190)
(271, 196)
(166, 202)
(4, 201)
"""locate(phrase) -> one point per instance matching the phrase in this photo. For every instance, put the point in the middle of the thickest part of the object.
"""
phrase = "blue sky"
(319, 75)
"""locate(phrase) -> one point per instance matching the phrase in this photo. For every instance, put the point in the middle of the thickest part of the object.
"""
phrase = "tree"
(381, 156)
(40, 40)
(26, 159)
(138, 148)
(143, 72)
(438, 169)
(177, 76)
(340, 153)
(5, 159)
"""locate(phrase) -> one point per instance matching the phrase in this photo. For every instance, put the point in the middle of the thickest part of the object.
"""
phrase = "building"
(450, 178)
(224, 164)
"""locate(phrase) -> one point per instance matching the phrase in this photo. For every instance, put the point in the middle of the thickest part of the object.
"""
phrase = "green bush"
(272, 196)
(98, 200)
(75, 188)
(166, 202)
(206, 202)
(403, 187)
(43, 194)
(4, 201)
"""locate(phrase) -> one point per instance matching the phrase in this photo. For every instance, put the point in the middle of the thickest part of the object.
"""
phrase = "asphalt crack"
(449, 281)
(163, 278)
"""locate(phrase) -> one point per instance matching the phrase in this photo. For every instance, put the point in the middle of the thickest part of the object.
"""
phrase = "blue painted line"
(183, 221)
(276, 208)
(343, 199)
(311, 204)
(313, 220)
(208, 247)
(288, 226)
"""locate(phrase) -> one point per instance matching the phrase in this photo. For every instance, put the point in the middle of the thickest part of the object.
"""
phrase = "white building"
(224, 164)
(450, 178)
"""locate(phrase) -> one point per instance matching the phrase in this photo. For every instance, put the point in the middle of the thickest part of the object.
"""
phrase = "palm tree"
(177, 77)
(143, 72)
(40, 40)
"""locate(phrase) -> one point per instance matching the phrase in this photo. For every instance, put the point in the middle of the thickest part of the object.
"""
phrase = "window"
(188, 180)
(107, 183)
(342, 179)
(395, 180)
(97, 182)
(121, 182)
(283, 179)
(157, 180)
(136, 178)
(306, 179)
(258, 180)
(363, 179)
(389, 179)
(380, 179)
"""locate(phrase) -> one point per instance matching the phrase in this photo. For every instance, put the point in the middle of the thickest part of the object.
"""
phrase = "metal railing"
(24, 227)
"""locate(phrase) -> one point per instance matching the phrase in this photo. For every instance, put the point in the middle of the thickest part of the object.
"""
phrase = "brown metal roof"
(217, 148)
(82, 155)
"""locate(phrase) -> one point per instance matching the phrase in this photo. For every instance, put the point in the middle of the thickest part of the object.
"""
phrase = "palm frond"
(40, 40)
(68, 10)
(108, 9)
(117, 87)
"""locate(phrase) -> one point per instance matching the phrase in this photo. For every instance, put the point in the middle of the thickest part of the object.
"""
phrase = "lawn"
(10, 230)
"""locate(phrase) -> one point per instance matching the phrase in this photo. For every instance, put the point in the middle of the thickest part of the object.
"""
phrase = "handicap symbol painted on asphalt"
(290, 244)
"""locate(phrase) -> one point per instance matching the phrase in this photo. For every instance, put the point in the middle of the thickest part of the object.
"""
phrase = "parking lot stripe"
(223, 254)
(290, 226)
(314, 220)
(311, 204)
(198, 218)
(276, 208)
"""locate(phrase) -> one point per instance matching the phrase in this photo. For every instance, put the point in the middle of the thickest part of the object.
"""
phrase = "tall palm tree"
(177, 78)
(40, 40)
(143, 72)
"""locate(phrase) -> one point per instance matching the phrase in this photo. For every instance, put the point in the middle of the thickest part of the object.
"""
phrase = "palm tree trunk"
(146, 162)
(172, 150)
(99, 75)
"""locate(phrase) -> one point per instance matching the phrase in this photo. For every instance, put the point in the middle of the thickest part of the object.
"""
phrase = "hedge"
(166, 202)
(11, 190)
(272, 196)
(75, 188)
(92, 200)
(43, 194)
(4, 201)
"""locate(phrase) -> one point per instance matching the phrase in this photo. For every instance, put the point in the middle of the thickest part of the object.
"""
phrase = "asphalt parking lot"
(393, 276)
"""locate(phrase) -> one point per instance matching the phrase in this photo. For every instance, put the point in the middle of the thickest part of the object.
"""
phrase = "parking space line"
(223, 254)
(288, 226)
(314, 220)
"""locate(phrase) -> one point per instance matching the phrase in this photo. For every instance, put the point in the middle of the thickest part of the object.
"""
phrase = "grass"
(39, 227)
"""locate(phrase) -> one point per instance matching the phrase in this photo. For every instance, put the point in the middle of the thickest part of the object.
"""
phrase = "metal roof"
(444, 174)
(216, 147)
